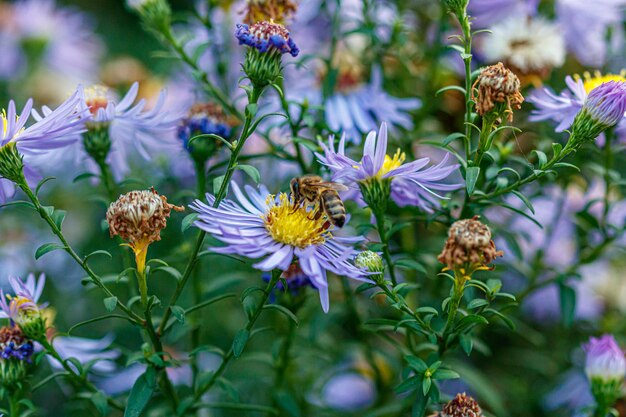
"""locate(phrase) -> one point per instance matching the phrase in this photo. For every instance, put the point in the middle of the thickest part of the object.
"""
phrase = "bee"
(313, 190)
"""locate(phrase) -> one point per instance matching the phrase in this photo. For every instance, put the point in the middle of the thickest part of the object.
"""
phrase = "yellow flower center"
(97, 97)
(597, 79)
(391, 163)
(295, 228)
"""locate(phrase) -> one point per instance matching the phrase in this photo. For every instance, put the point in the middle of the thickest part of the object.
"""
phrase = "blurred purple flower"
(349, 391)
(263, 225)
(412, 184)
(96, 352)
(488, 12)
(572, 393)
(586, 25)
(605, 359)
(62, 36)
(55, 130)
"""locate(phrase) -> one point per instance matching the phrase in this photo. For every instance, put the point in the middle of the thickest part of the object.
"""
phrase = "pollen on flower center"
(597, 79)
(296, 228)
(97, 97)
(392, 163)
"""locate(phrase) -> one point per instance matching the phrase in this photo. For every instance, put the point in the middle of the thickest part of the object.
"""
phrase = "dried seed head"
(139, 216)
(461, 406)
(279, 11)
(469, 242)
(497, 84)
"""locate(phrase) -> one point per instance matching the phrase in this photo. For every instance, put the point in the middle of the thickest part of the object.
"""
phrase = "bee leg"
(317, 212)
(296, 206)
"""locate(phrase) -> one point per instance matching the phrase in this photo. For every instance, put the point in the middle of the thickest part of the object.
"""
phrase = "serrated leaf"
(179, 313)
(471, 176)
(251, 171)
(188, 221)
(47, 247)
(239, 342)
(140, 394)
(110, 303)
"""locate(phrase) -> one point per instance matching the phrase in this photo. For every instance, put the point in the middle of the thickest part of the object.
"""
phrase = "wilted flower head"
(529, 47)
(270, 227)
(138, 217)
(605, 359)
(278, 11)
(377, 175)
(498, 88)
(469, 246)
(461, 406)
(15, 351)
(266, 37)
(203, 119)
(22, 308)
(604, 107)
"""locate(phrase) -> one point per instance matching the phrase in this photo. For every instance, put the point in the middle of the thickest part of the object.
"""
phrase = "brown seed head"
(139, 216)
(10, 334)
(469, 241)
(497, 84)
(280, 11)
(461, 406)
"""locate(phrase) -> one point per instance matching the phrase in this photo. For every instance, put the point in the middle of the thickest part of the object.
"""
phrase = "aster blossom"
(265, 226)
(266, 37)
(53, 131)
(22, 308)
(411, 184)
(604, 359)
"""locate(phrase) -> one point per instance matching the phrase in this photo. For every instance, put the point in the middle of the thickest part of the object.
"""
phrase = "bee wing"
(334, 185)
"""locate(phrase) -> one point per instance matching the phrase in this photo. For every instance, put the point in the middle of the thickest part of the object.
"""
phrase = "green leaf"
(542, 158)
(466, 344)
(451, 138)
(524, 200)
(427, 310)
(251, 171)
(426, 383)
(99, 400)
(98, 252)
(110, 303)
(188, 221)
(47, 247)
(251, 110)
(239, 342)
(58, 216)
(284, 310)
(408, 385)
(443, 373)
(170, 271)
(141, 393)
(567, 297)
(451, 88)
(41, 183)
(477, 302)
(416, 363)
(471, 176)
(179, 313)
(83, 176)
(410, 264)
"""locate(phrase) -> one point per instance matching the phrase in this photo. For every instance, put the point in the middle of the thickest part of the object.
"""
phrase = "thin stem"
(483, 141)
(14, 405)
(455, 302)
(107, 179)
(80, 381)
(219, 196)
(380, 227)
(608, 165)
(68, 248)
(230, 355)
(401, 304)
(467, 60)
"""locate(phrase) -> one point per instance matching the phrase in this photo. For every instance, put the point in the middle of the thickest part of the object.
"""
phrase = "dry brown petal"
(497, 84)
(469, 242)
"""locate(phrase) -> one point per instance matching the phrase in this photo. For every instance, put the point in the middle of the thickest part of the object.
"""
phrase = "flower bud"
(604, 107)
(370, 261)
(469, 246)
(498, 92)
(15, 353)
(376, 192)
(11, 163)
(461, 406)
(605, 366)
(267, 42)
(456, 6)
(278, 11)
(155, 14)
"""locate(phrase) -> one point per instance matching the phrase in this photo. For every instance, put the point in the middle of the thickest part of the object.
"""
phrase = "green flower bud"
(155, 14)
(11, 164)
(376, 193)
(371, 261)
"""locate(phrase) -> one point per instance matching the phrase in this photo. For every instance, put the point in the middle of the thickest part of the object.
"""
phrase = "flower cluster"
(204, 119)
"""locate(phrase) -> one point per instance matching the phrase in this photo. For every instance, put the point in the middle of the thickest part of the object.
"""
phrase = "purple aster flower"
(22, 306)
(349, 391)
(266, 37)
(572, 393)
(488, 12)
(412, 184)
(133, 131)
(605, 359)
(13, 344)
(266, 226)
(606, 103)
(585, 25)
(53, 131)
(97, 352)
(63, 37)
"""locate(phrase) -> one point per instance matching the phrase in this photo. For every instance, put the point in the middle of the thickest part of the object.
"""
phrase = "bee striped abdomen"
(334, 208)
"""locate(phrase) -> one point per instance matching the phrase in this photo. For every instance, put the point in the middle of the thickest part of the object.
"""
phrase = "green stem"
(401, 304)
(380, 227)
(107, 179)
(483, 141)
(66, 246)
(467, 59)
(455, 302)
(14, 404)
(230, 355)
(608, 165)
(80, 381)
(219, 196)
